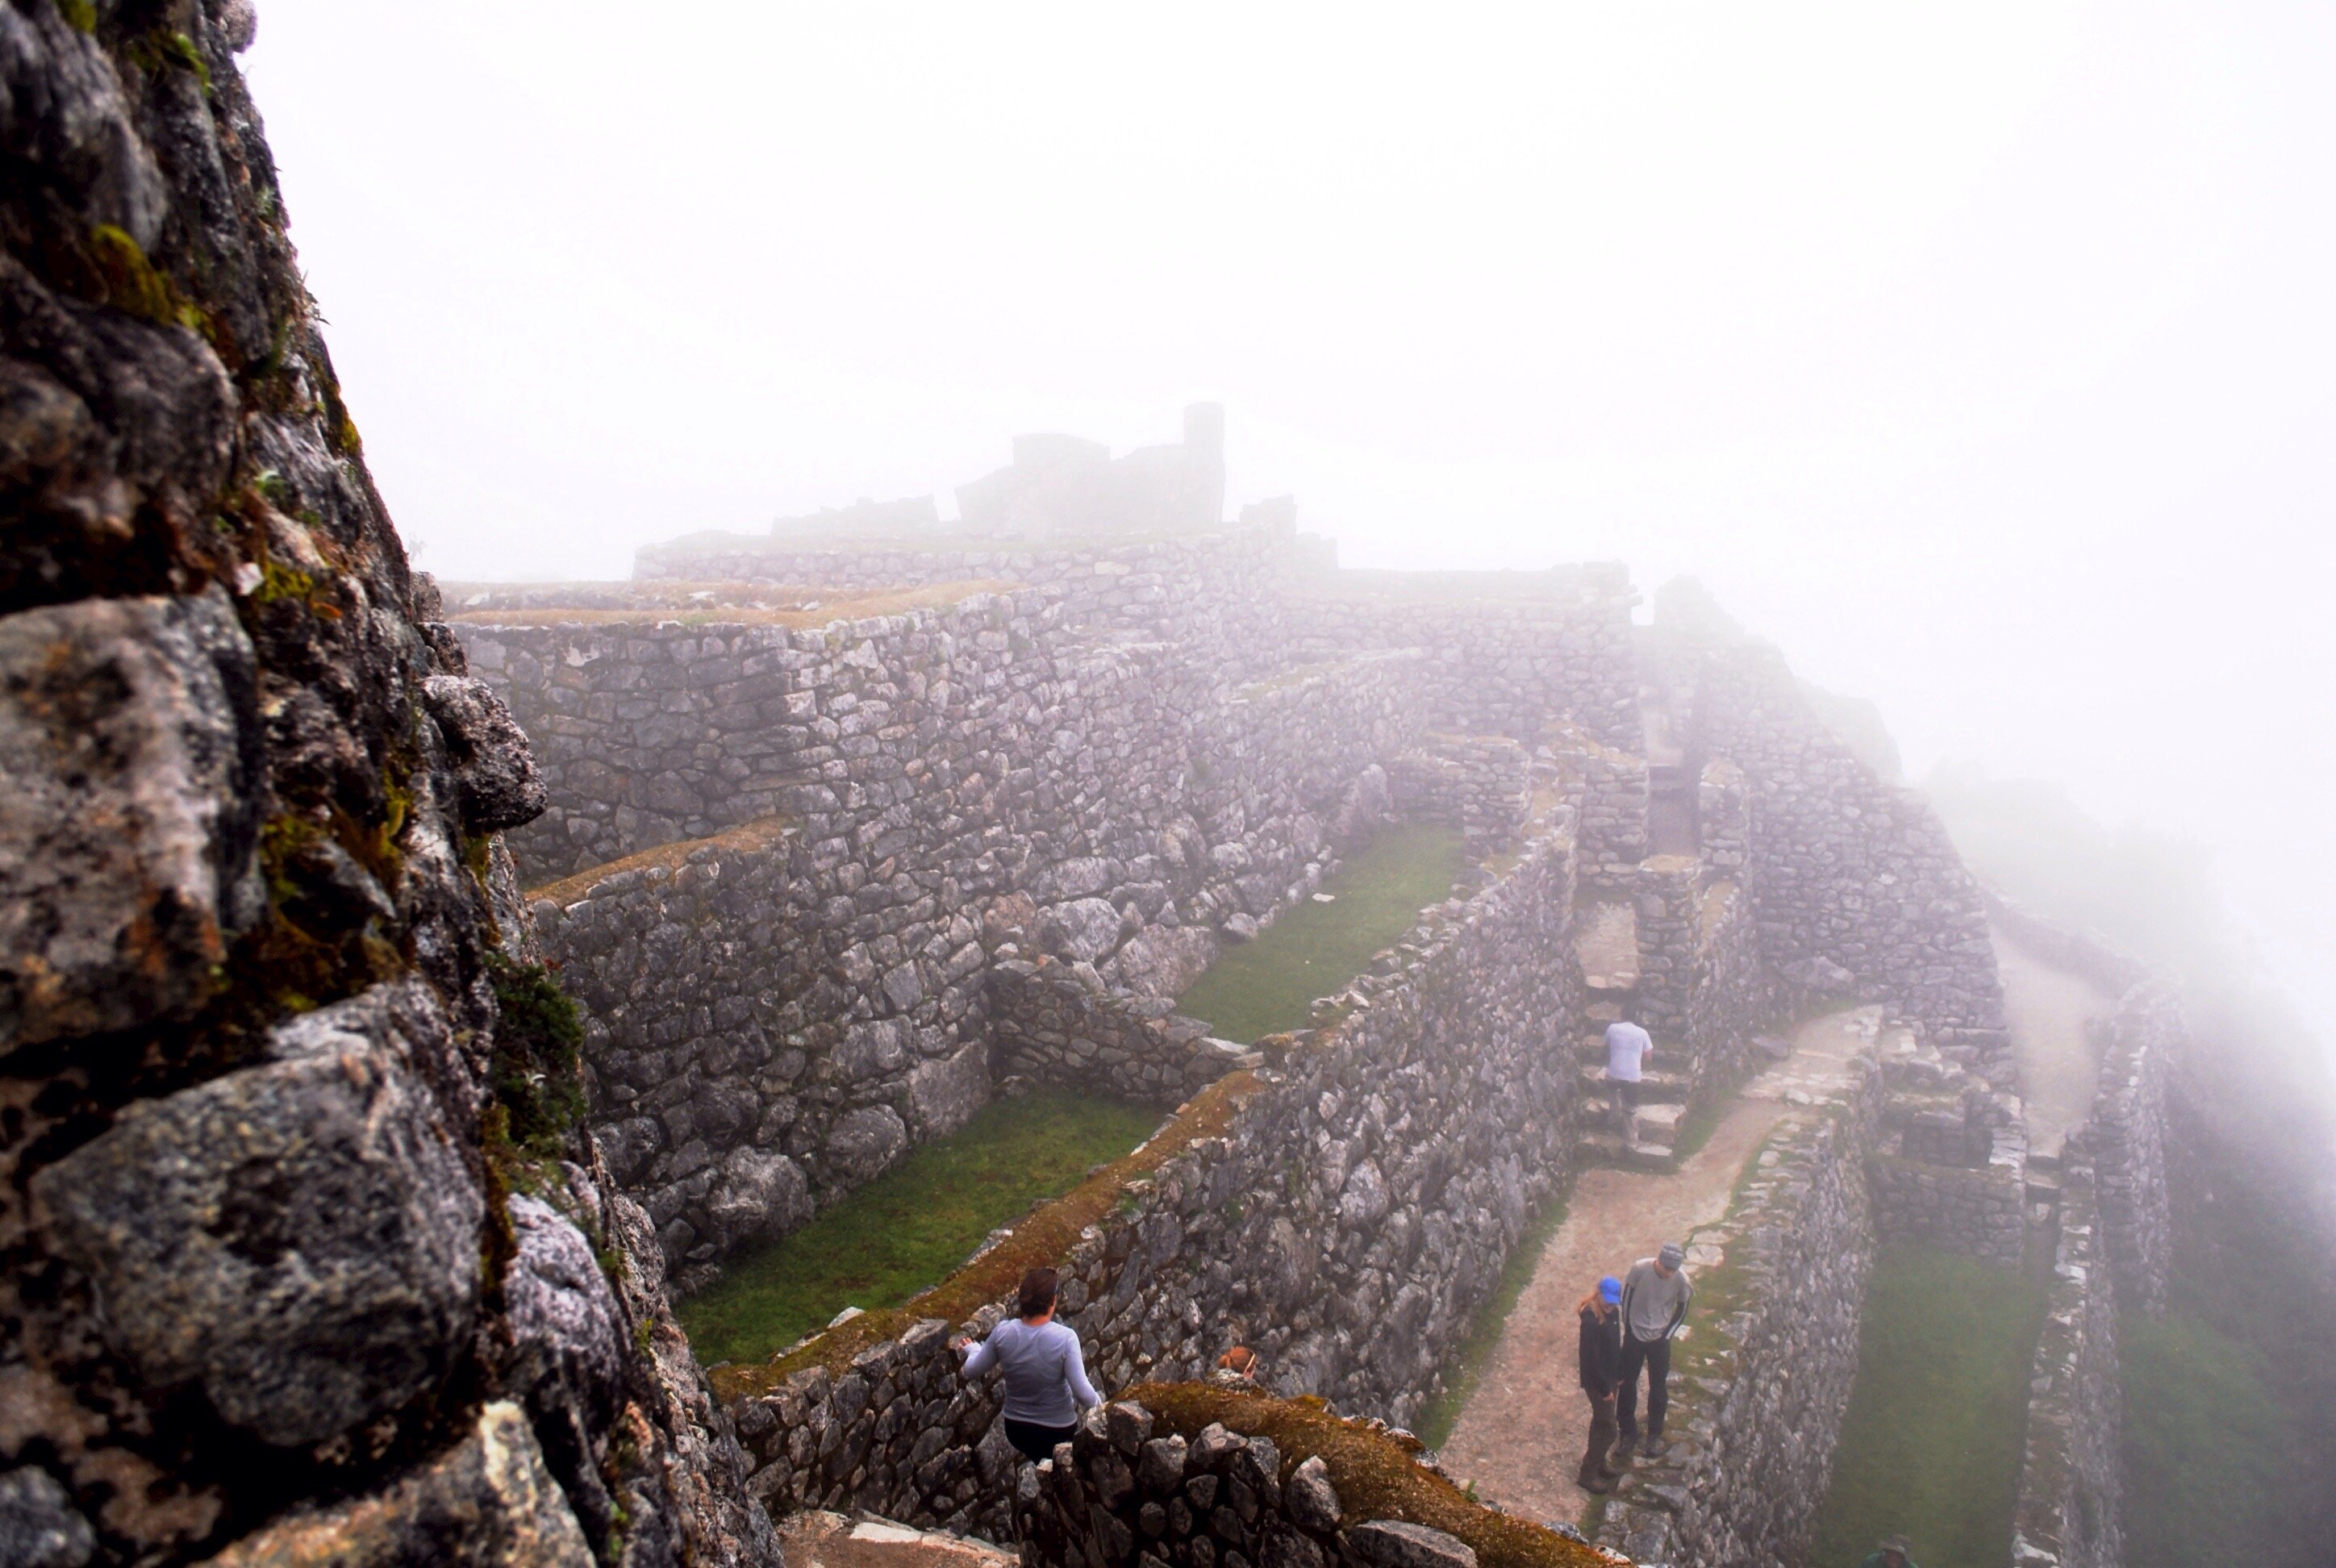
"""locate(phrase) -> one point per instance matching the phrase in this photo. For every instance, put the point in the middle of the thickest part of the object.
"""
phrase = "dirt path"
(2048, 1010)
(1521, 1435)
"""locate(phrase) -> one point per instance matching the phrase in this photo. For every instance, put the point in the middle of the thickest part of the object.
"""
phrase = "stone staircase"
(1655, 1121)
(1607, 943)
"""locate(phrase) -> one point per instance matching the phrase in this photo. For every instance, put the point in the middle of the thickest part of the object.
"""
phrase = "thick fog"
(1985, 356)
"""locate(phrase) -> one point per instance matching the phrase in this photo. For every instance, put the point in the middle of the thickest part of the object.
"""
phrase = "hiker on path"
(1627, 1048)
(1891, 1553)
(1601, 1372)
(1045, 1375)
(1655, 1295)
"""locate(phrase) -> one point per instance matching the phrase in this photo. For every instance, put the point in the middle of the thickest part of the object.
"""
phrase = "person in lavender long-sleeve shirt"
(1045, 1375)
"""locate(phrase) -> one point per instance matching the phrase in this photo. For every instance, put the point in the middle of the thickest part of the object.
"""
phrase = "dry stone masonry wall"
(1197, 1492)
(1857, 890)
(2071, 1506)
(781, 1010)
(1346, 1221)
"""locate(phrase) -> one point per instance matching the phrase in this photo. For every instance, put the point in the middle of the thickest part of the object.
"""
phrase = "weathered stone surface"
(489, 1501)
(500, 787)
(39, 1526)
(760, 1195)
(1393, 1544)
(567, 1332)
(242, 1221)
(1081, 929)
(866, 1141)
(1313, 1500)
(943, 1094)
(300, 1239)
(129, 809)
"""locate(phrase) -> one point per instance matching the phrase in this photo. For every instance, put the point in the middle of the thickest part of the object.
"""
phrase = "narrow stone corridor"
(1520, 1438)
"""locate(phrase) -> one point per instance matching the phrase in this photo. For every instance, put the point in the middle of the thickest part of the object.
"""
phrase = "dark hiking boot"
(1620, 1459)
(1597, 1481)
(1652, 1449)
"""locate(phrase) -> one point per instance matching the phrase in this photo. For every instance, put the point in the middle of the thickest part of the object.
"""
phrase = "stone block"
(1393, 1544)
(299, 1239)
(130, 779)
(488, 1502)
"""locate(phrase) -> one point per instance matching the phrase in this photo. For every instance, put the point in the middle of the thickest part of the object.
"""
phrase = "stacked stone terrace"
(821, 816)
(847, 837)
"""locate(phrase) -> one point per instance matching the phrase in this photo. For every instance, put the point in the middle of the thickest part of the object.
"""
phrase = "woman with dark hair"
(1045, 1376)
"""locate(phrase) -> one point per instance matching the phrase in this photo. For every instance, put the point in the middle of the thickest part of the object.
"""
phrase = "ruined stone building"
(401, 987)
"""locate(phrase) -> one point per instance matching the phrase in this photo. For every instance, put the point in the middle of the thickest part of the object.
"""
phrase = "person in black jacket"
(1601, 1371)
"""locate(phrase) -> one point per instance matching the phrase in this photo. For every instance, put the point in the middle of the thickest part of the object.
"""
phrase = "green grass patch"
(2211, 1456)
(1265, 986)
(1932, 1446)
(910, 1226)
(1442, 1413)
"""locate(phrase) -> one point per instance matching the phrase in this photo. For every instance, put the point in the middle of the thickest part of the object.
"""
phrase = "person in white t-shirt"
(1627, 1048)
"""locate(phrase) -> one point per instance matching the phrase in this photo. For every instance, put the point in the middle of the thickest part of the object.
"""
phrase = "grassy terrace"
(1269, 985)
(1931, 1447)
(909, 1227)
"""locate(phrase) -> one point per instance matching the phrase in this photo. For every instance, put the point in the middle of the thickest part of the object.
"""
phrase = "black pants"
(1655, 1358)
(1034, 1442)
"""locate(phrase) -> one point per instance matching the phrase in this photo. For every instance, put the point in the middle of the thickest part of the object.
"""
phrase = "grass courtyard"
(1931, 1447)
(910, 1226)
(1267, 986)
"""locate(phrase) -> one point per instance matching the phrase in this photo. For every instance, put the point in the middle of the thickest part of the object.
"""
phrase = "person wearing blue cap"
(1602, 1370)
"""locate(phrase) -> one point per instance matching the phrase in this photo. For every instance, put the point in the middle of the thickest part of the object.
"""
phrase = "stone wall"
(1978, 1211)
(1049, 1024)
(2126, 1132)
(781, 1010)
(301, 1255)
(1207, 1483)
(1222, 590)
(2128, 1137)
(1734, 997)
(1480, 784)
(2070, 1513)
(1856, 885)
(1613, 785)
(1510, 652)
(1760, 1383)
(1343, 1212)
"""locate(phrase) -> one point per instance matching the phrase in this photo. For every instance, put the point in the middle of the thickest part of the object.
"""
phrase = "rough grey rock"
(944, 1094)
(39, 1526)
(567, 1331)
(494, 768)
(299, 1238)
(68, 121)
(129, 810)
(761, 1194)
(488, 1502)
(1313, 1501)
(1393, 1544)
(865, 1142)
(239, 23)
(1080, 930)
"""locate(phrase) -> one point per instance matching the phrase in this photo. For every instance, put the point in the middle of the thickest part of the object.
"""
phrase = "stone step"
(1651, 1123)
(1603, 1148)
(1652, 1085)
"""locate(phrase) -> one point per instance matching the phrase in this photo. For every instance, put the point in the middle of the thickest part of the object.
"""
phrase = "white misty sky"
(1983, 356)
